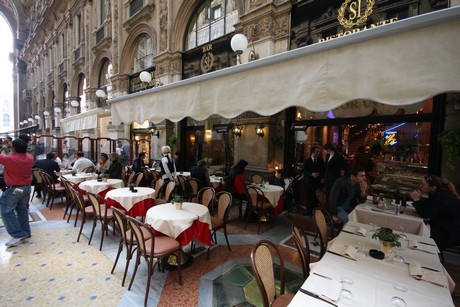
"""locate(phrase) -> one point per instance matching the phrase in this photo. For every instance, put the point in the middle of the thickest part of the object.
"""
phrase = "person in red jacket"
(14, 201)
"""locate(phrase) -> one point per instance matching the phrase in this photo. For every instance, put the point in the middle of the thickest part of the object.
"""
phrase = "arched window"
(81, 92)
(143, 54)
(213, 19)
(6, 120)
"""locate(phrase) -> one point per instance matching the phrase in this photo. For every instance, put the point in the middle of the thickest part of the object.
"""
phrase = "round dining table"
(99, 187)
(273, 194)
(135, 203)
(192, 222)
(80, 177)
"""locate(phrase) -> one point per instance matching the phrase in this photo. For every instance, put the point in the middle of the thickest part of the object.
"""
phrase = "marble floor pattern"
(165, 289)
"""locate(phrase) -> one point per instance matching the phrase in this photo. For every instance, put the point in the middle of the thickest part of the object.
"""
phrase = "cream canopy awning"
(82, 121)
(396, 64)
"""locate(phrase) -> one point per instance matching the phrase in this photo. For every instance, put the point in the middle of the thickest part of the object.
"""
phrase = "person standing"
(14, 201)
(65, 150)
(313, 170)
(126, 151)
(167, 165)
(335, 164)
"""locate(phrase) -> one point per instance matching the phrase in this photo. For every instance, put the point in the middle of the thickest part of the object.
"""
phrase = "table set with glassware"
(136, 201)
(273, 194)
(102, 186)
(79, 177)
(354, 272)
(388, 214)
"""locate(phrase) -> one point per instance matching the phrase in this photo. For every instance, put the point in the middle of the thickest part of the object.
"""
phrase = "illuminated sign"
(391, 138)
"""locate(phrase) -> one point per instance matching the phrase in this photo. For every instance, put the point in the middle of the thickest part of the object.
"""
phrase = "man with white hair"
(167, 165)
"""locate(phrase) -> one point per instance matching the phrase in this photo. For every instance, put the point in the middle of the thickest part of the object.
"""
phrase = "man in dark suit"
(313, 170)
(200, 172)
(335, 164)
(49, 166)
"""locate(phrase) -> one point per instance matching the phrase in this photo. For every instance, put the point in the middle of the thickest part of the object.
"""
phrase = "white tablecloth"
(172, 222)
(185, 174)
(80, 177)
(95, 186)
(366, 213)
(272, 193)
(128, 199)
(374, 280)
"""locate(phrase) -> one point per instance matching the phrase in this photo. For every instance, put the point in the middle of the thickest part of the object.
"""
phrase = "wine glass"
(396, 300)
(360, 250)
(373, 226)
(397, 258)
(402, 235)
(346, 297)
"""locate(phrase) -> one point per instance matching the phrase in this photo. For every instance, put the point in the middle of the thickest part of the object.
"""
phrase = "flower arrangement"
(387, 235)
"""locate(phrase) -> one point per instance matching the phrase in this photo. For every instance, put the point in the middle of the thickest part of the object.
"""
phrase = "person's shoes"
(24, 239)
(14, 242)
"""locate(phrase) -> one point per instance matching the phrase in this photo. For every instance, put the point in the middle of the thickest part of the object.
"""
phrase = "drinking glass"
(396, 300)
(373, 227)
(397, 258)
(346, 297)
(360, 250)
(403, 230)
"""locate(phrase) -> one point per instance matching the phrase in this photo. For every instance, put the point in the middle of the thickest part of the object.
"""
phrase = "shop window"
(212, 20)
(143, 54)
(6, 120)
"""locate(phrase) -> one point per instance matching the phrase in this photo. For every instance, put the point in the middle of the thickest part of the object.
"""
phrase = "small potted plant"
(74, 173)
(105, 177)
(388, 239)
(178, 200)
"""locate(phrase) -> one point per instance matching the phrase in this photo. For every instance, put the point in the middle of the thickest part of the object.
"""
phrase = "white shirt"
(58, 160)
(81, 164)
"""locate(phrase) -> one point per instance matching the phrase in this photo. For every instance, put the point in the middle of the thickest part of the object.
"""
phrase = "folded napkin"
(423, 247)
(420, 273)
(360, 231)
(326, 288)
(344, 250)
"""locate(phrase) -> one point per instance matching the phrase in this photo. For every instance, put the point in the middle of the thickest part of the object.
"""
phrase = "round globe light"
(145, 76)
(37, 116)
(74, 103)
(57, 110)
(21, 123)
(46, 113)
(100, 93)
(30, 119)
(239, 43)
(25, 122)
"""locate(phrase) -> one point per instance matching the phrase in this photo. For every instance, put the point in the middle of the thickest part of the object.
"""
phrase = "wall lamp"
(260, 130)
(238, 130)
(21, 123)
(74, 103)
(46, 113)
(37, 117)
(153, 130)
(239, 43)
(100, 93)
(57, 110)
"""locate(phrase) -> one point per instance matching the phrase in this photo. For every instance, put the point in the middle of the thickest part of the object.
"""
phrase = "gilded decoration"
(354, 17)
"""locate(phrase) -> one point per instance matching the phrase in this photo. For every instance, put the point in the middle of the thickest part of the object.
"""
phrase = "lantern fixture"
(260, 130)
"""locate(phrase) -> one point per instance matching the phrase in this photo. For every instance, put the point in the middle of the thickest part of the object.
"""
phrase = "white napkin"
(326, 288)
(344, 250)
(423, 247)
(420, 273)
(360, 231)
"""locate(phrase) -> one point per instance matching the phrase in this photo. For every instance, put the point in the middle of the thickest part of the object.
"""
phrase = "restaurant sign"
(355, 13)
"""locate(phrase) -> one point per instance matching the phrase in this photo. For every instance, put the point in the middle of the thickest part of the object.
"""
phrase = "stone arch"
(75, 81)
(131, 43)
(97, 66)
(182, 20)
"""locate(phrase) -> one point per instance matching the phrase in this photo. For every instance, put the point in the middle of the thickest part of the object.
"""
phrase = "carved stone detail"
(163, 25)
(255, 3)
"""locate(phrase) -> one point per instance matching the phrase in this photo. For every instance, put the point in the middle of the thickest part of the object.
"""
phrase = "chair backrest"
(224, 201)
(78, 199)
(195, 185)
(262, 266)
(169, 190)
(95, 201)
(301, 244)
(158, 188)
(320, 220)
(47, 180)
(206, 197)
(140, 230)
(254, 195)
(89, 169)
(121, 222)
(138, 180)
(182, 185)
(36, 177)
(257, 178)
(321, 195)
